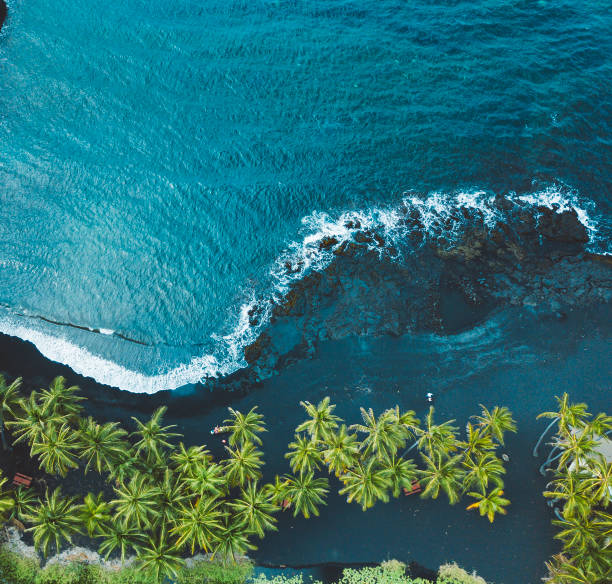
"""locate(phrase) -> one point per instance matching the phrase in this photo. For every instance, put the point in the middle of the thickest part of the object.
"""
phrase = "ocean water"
(161, 161)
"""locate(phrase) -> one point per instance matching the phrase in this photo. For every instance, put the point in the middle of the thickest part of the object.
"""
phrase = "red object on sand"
(416, 488)
(21, 480)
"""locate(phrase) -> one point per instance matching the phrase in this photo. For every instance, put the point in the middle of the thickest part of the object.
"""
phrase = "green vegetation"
(582, 485)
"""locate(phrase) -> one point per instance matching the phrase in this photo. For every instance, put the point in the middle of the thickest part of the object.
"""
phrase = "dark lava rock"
(363, 237)
(327, 242)
(254, 351)
(563, 226)
(3, 11)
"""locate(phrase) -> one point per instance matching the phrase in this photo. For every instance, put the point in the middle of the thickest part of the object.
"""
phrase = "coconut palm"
(442, 473)
(568, 415)
(187, 460)
(489, 503)
(159, 558)
(497, 422)
(56, 447)
(322, 419)
(153, 438)
(102, 445)
(384, 435)
(600, 482)
(9, 400)
(340, 450)
(366, 483)
(137, 502)
(436, 437)
(119, 537)
(304, 455)
(478, 440)
(31, 419)
(576, 447)
(55, 520)
(232, 539)
(170, 496)
(306, 493)
(399, 474)
(276, 491)
(207, 480)
(61, 400)
(94, 513)
(197, 524)
(481, 469)
(25, 503)
(244, 427)
(243, 464)
(7, 503)
(254, 509)
(561, 570)
(572, 489)
(408, 420)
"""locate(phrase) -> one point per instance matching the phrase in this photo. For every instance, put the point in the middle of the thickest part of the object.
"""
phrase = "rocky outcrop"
(3, 11)
(534, 258)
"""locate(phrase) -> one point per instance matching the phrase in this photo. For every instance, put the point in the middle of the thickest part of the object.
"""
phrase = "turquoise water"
(160, 160)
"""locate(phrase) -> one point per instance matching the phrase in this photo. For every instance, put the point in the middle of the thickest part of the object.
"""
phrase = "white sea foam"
(438, 214)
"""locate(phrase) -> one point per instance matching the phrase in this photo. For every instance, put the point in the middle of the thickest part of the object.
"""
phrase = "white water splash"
(439, 215)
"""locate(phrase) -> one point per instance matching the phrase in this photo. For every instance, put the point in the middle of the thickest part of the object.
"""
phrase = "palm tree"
(170, 496)
(489, 503)
(9, 400)
(482, 468)
(61, 400)
(244, 428)
(102, 446)
(207, 480)
(152, 436)
(576, 447)
(478, 441)
(322, 419)
(399, 474)
(254, 509)
(6, 501)
(118, 536)
(572, 489)
(243, 464)
(442, 473)
(197, 524)
(497, 422)
(31, 419)
(408, 420)
(436, 437)
(366, 483)
(600, 483)
(25, 502)
(232, 539)
(384, 435)
(562, 571)
(568, 415)
(187, 460)
(340, 450)
(95, 513)
(137, 502)
(276, 491)
(580, 539)
(306, 493)
(56, 447)
(160, 558)
(55, 520)
(304, 455)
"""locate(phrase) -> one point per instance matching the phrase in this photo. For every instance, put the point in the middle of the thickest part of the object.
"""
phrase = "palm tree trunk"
(535, 448)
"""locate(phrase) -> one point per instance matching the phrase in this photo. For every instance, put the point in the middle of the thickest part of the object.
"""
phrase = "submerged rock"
(3, 12)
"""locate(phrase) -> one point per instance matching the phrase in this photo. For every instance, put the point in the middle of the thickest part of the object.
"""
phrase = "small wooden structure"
(415, 489)
(21, 480)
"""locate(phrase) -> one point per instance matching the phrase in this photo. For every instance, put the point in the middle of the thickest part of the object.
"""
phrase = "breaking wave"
(438, 215)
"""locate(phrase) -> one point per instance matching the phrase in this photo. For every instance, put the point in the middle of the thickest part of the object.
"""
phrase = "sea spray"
(395, 231)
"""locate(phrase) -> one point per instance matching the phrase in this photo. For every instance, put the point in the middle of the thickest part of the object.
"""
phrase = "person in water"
(430, 397)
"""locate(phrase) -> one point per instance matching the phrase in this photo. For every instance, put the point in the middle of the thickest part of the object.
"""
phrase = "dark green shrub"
(207, 572)
(16, 569)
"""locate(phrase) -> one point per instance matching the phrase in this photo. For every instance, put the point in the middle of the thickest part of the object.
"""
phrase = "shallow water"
(158, 159)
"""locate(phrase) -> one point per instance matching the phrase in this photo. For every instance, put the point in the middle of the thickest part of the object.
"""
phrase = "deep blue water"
(157, 158)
